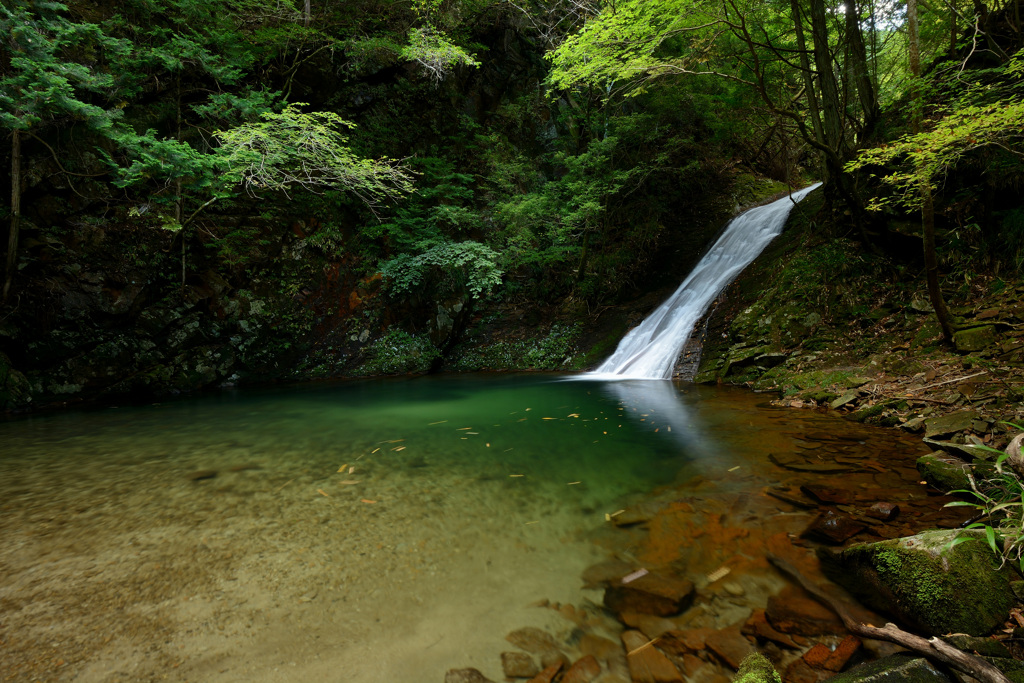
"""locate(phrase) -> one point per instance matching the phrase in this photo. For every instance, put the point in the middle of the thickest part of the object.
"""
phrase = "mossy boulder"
(944, 472)
(974, 338)
(928, 585)
(756, 668)
(904, 667)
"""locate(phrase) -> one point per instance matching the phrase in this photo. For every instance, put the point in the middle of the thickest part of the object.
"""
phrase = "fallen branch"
(933, 648)
(951, 381)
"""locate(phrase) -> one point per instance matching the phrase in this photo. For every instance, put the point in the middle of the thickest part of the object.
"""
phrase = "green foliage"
(52, 73)
(437, 55)
(290, 148)
(1000, 502)
(554, 351)
(399, 352)
(963, 131)
(756, 668)
(469, 265)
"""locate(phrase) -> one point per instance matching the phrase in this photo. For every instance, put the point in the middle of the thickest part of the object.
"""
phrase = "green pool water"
(381, 530)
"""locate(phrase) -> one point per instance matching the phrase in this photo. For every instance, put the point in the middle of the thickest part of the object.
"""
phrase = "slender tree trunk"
(858, 68)
(831, 106)
(805, 66)
(931, 260)
(308, 15)
(12, 238)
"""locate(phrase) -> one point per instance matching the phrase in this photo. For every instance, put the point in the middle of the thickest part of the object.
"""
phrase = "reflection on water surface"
(383, 530)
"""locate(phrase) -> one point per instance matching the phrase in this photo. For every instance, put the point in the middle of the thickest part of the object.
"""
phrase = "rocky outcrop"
(927, 583)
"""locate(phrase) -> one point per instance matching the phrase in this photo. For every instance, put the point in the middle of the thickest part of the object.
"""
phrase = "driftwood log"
(933, 648)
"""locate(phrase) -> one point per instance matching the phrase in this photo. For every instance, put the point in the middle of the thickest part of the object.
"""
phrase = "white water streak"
(650, 350)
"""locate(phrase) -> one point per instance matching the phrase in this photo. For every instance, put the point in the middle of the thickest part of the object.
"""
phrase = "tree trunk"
(858, 68)
(831, 106)
(12, 238)
(308, 14)
(931, 260)
(805, 66)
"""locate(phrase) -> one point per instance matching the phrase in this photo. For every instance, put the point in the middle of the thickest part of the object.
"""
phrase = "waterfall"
(650, 350)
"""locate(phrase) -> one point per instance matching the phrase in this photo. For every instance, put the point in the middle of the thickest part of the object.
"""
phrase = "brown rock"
(583, 670)
(604, 573)
(800, 672)
(547, 675)
(650, 625)
(465, 676)
(793, 611)
(532, 640)
(757, 625)
(692, 664)
(646, 663)
(650, 594)
(842, 654)
(603, 649)
(730, 645)
(884, 511)
(817, 656)
(683, 641)
(827, 495)
(518, 665)
(834, 527)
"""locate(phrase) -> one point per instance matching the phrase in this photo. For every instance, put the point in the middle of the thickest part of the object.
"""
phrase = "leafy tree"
(48, 82)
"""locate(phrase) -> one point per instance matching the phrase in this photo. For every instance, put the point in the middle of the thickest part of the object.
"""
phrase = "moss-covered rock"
(974, 339)
(927, 584)
(903, 667)
(756, 668)
(944, 471)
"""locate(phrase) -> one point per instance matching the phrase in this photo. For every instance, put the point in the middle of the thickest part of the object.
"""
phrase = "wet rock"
(848, 397)
(817, 656)
(834, 527)
(651, 626)
(601, 574)
(902, 667)
(730, 645)
(791, 495)
(884, 511)
(547, 675)
(943, 471)
(915, 424)
(650, 594)
(602, 649)
(827, 495)
(757, 625)
(793, 611)
(953, 423)
(583, 670)
(518, 665)
(800, 672)
(966, 452)
(926, 584)
(532, 640)
(799, 463)
(685, 641)
(465, 676)
(974, 339)
(845, 651)
(646, 663)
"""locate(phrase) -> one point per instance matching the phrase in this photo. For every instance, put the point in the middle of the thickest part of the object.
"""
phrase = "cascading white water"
(650, 350)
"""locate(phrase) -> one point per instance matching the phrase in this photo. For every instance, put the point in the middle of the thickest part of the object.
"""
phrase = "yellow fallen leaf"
(323, 493)
(349, 482)
(366, 500)
(440, 422)
(342, 468)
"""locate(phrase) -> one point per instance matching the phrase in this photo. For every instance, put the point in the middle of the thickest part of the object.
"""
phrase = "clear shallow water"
(365, 531)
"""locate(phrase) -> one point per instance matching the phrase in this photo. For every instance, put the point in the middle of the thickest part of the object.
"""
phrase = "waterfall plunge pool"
(389, 530)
